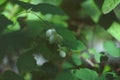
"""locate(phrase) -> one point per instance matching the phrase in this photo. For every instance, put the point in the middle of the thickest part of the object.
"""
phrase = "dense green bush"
(59, 39)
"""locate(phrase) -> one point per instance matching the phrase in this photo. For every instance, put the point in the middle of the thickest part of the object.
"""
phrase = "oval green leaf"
(109, 5)
(26, 62)
(86, 74)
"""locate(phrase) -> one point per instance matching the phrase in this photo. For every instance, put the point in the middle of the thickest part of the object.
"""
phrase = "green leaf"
(76, 59)
(65, 76)
(49, 51)
(74, 44)
(47, 8)
(109, 5)
(107, 68)
(112, 49)
(35, 28)
(2, 1)
(14, 40)
(86, 74)
(65, 33)
(97, 57)
(79, 45)
(41, 7)
(49, 69)
(28, 76)
(72, 62)
(102, 77)
(26, 62)
(88, 34)
(114, 30)
(91, 9)
(9, 75)
(96, 54)
(67, 65)
(69, 40)
(54, 2)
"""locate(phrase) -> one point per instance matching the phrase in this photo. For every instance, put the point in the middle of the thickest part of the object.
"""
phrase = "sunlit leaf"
(28, 76)
(91, 9)
(109, 5)
(111, 49)
(97, 57)
(106, 68)
(2, 1)
(114, 30)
